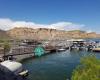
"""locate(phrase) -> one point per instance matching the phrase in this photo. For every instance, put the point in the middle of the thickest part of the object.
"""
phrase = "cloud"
(89, 31)
(6, 24)
(67, 26)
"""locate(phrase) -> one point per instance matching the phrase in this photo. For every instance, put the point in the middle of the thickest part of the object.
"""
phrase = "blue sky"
(78, 12)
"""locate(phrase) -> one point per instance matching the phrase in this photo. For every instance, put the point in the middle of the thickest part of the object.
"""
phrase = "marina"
(49, 39)
(29, 48)
(40, 59)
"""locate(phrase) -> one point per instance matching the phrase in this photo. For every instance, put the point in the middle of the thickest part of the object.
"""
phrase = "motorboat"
(61, 49)
(96, 49)
(9, 68)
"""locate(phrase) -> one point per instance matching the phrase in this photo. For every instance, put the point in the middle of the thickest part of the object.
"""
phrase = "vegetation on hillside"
(77, 31)
(89, 69)
(6, 46)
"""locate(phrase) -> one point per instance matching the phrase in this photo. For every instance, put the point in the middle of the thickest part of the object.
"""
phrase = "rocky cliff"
(48, 34)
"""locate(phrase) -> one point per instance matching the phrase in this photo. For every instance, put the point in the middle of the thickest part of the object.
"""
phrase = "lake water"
(57, 66)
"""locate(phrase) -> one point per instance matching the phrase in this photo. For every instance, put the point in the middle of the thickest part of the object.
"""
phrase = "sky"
(57, 14)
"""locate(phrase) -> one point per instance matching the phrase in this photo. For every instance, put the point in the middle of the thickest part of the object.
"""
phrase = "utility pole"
(4, 54)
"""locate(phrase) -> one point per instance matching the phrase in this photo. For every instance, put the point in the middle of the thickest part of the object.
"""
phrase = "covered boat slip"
(84, 44)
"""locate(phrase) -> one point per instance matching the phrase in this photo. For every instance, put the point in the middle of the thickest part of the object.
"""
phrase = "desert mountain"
(48, 34)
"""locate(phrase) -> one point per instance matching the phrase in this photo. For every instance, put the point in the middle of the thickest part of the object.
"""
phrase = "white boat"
(13, 67)
(96, 49)
(61, 49)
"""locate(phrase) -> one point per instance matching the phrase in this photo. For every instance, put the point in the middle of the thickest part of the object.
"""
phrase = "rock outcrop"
(48, 34)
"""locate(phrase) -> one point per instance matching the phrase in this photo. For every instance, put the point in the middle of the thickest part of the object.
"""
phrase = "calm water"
(57, 66)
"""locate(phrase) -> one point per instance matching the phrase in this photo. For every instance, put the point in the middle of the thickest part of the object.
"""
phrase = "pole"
(4, 54)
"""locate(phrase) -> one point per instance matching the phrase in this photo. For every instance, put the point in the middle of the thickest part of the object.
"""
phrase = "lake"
(56, 66)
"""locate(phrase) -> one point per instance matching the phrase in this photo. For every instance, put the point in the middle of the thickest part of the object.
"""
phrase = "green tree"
(6, 46)
(89, 69)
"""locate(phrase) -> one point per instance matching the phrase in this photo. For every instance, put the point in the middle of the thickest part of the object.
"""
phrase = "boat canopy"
(12, 66)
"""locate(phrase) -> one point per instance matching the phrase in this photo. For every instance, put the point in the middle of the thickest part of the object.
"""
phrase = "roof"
(76, 40)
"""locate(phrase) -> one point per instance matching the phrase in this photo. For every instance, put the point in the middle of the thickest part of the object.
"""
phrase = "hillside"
(3, 35)
(48, 34)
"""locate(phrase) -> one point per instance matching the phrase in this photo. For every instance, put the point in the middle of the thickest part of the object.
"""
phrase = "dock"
(26, 49)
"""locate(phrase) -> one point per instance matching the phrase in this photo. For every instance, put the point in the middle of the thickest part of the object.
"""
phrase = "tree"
(6, 46)
(89, 69)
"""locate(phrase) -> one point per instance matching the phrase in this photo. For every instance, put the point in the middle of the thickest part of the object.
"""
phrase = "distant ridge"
(48, 34)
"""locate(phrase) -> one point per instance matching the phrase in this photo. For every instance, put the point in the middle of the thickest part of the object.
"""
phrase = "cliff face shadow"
(6, 74)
